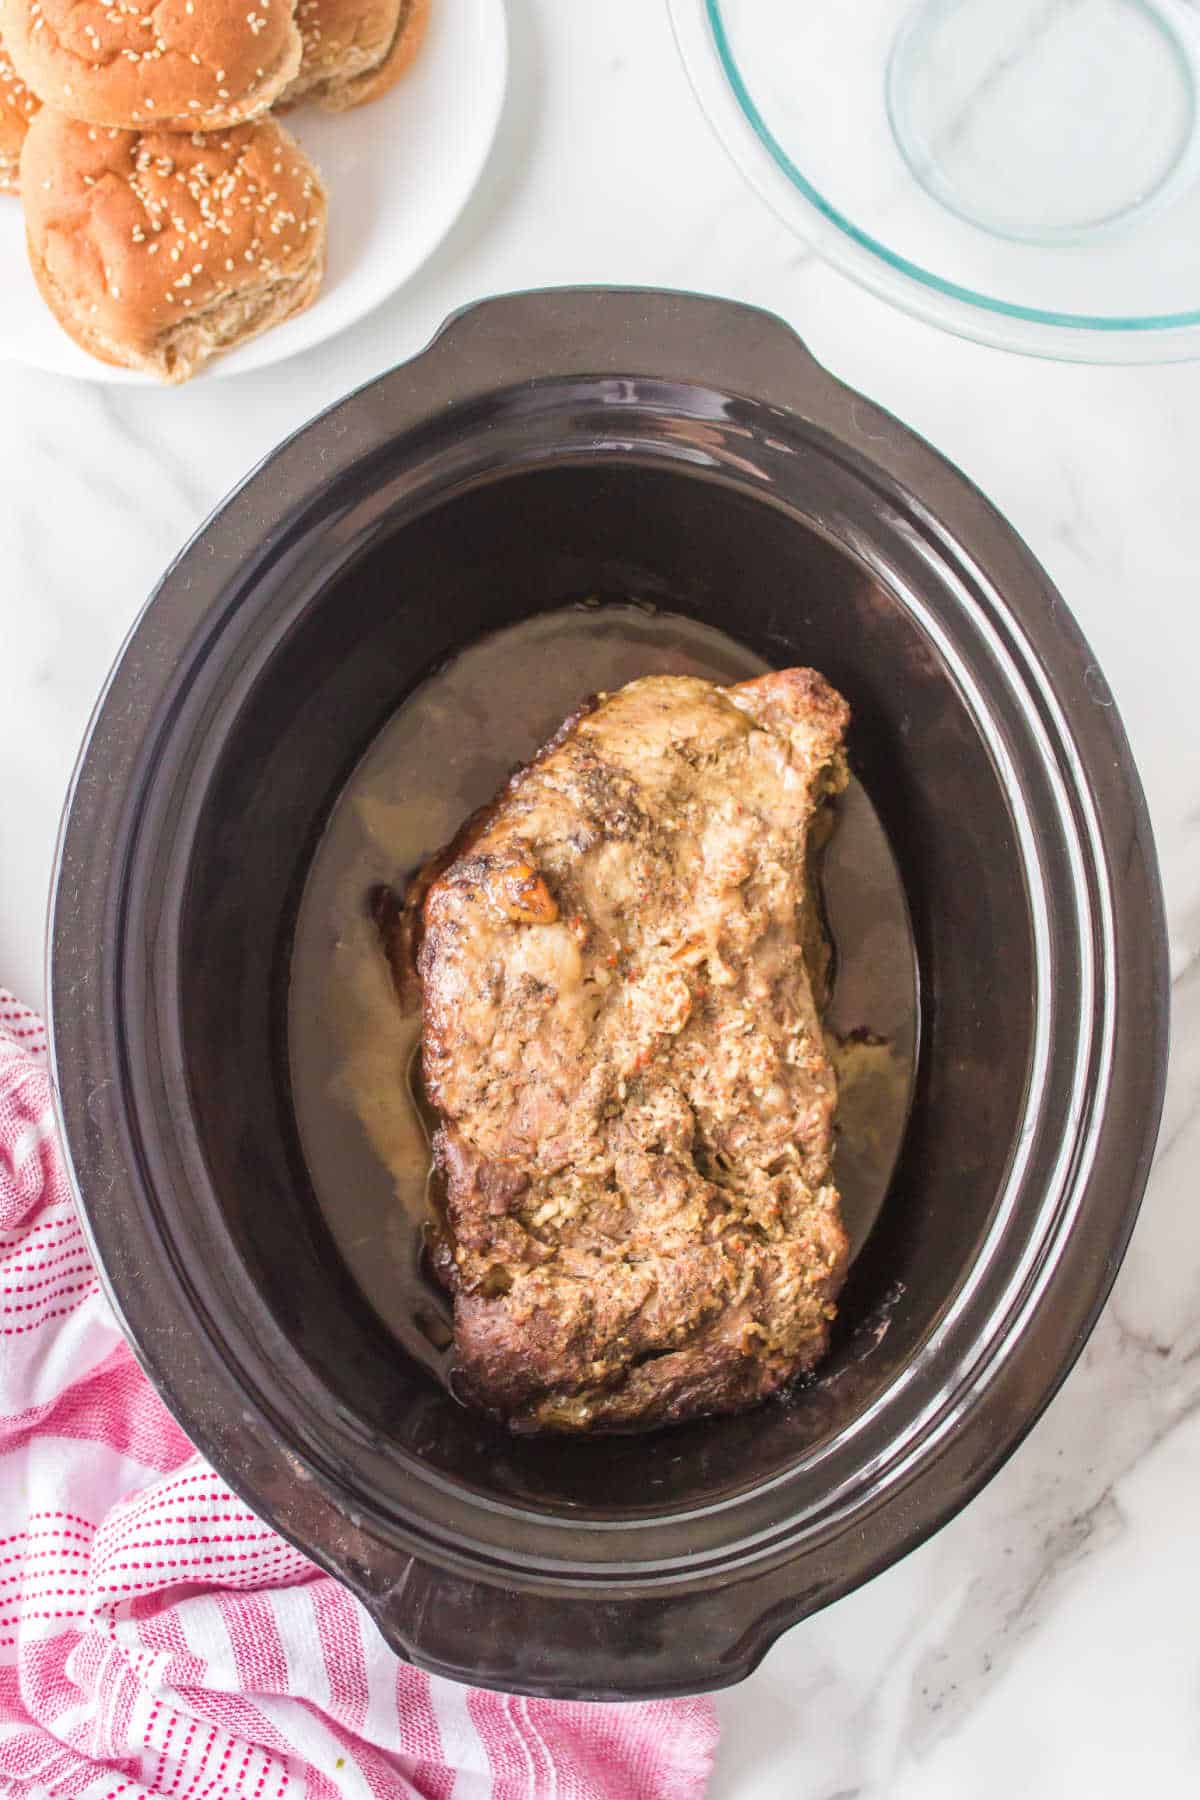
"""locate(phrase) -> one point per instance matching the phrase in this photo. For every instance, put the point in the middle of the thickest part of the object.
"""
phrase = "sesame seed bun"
(160, 250)
(355, 50)
(17, 107)
(183, 65)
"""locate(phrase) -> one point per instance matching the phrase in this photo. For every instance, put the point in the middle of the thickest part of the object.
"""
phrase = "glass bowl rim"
(704, 44)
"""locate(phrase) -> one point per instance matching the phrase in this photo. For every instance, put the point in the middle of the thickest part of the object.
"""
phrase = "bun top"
(196, 65)
(17, 107)
(134, 234)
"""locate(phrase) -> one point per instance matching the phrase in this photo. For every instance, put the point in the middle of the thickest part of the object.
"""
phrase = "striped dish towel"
(156, 1638)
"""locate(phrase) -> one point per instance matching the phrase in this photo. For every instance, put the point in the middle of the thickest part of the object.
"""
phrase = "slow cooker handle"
(574, 1645)
(669, 338)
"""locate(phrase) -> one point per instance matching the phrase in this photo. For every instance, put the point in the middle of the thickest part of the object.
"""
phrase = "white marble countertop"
(1047, 1640)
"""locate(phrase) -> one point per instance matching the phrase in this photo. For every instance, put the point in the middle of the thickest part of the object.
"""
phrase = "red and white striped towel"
(156, 1638)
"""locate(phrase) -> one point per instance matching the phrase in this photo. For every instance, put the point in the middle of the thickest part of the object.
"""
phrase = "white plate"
(398, 172)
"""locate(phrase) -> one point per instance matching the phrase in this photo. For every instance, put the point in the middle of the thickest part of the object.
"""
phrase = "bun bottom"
(184, 350)
(356, 85)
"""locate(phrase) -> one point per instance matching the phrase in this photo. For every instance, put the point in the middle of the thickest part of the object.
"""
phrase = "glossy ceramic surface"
(689, 451)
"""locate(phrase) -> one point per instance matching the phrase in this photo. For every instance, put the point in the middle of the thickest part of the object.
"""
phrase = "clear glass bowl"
(1025, 172)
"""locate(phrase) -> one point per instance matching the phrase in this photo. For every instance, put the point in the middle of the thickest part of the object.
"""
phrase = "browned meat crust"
(622, 1046)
